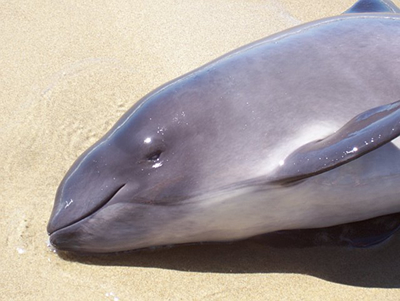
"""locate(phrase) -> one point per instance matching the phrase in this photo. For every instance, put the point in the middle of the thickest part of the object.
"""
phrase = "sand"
(69, 70)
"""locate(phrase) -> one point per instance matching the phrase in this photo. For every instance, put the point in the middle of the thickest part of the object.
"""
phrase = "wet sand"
(69, 70)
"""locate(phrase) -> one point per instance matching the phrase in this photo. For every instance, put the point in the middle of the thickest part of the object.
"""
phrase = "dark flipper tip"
(361, 135)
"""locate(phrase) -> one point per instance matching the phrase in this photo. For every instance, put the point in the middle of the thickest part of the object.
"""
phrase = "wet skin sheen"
(290, 132)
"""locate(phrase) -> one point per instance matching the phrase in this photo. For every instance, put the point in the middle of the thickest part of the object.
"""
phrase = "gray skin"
(290, 132)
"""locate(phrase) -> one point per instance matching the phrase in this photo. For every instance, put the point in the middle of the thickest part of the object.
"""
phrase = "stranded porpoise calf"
(293, 131)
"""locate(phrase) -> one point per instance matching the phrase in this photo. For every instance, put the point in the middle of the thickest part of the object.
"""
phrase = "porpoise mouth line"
(94, 210)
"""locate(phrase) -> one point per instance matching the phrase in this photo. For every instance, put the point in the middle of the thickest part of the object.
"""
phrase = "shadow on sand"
(377, 266)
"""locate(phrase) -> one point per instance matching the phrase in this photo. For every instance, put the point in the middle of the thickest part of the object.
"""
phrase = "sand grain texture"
(69, 70)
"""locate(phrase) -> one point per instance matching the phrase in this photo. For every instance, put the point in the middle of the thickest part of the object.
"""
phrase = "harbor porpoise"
(294, 131)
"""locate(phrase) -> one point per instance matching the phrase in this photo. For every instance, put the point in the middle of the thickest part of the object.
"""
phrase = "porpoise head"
(215, 155)
(162, 176)
(137, 187)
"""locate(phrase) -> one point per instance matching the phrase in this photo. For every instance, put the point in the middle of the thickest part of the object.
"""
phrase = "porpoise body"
(293, 131)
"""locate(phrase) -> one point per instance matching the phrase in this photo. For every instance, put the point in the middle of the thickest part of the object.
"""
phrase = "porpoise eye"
(154, 156)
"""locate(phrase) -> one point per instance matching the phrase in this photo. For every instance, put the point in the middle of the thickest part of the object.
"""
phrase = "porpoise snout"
(61, 240)
(71, 206)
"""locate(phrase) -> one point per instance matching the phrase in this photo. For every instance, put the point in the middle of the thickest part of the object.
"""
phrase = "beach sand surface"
(69, 70)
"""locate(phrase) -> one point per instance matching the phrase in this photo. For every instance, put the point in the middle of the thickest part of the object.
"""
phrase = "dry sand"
(69, 69)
